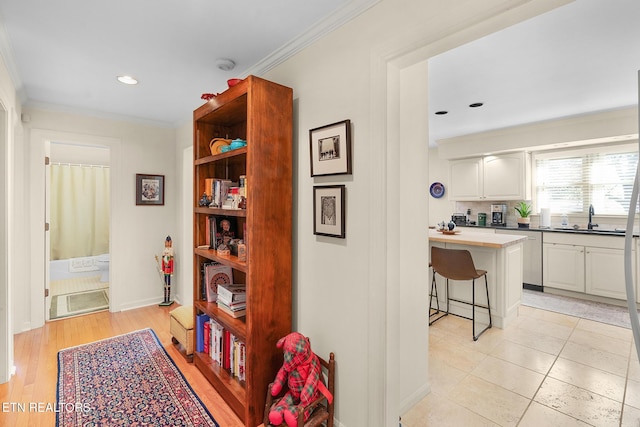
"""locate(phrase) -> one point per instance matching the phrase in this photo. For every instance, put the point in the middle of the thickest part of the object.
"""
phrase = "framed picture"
(331, 149)
(149, 189)
(329, 210)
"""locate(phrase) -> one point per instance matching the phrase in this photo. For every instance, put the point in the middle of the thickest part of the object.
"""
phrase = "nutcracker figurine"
(167, 270)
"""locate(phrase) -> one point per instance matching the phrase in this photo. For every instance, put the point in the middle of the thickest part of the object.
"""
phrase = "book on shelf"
(216, 274)
(206, 334)
(234, 310)
(232, 293)
(219, 190)
(201, 319)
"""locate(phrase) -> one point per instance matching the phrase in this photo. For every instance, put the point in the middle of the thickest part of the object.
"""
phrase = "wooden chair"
(457, 264)
(322, 412)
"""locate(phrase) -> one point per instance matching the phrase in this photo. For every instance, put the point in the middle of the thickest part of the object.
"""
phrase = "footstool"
(181, 328)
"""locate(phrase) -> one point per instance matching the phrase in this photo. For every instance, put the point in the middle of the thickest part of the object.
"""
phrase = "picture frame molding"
(341, 133)
(141, 199)
(338, 228)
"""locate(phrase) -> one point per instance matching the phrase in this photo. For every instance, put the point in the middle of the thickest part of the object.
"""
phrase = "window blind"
(569, 181)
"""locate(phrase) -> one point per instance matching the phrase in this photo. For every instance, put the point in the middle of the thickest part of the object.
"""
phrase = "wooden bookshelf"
(259, 112)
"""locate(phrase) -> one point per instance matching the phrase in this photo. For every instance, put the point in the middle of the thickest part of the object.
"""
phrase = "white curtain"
(79, 210)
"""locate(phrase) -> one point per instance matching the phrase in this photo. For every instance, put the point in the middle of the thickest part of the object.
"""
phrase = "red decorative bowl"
(233, 82)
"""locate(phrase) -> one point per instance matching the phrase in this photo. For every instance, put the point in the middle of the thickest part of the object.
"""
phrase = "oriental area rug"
(125, 380)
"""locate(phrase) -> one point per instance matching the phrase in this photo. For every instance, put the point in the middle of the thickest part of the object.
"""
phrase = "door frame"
(39, 143)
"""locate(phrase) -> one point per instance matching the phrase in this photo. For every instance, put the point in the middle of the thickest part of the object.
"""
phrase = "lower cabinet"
(605, 272)
(585, 263)
(563, 266)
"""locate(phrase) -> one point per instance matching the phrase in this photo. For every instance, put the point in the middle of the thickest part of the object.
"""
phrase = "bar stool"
(457, 264)
(434, 293)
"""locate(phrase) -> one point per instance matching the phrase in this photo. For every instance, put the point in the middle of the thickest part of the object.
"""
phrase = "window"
(569, 181)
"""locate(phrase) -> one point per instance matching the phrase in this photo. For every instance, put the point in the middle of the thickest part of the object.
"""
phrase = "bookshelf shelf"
(260, 112)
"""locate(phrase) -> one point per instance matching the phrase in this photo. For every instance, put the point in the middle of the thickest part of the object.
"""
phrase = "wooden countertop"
(468, 237)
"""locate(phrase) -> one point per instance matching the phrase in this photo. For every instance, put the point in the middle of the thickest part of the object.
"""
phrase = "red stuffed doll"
(302, 373)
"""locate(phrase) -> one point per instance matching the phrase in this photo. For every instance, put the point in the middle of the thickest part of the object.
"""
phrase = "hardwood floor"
(34, 383)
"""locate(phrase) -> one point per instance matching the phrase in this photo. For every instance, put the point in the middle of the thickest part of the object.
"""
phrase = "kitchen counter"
(467, 237)
(596, 231)
(501, 255)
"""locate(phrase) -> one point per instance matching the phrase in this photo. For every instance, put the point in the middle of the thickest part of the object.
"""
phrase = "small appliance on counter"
(459, 219)
(499, 215)
(482, 219)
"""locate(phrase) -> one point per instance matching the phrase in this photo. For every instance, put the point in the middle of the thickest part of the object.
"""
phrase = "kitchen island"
(501, 255)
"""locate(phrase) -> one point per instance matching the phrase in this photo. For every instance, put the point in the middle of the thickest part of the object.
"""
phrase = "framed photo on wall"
(330, 148)
(149, 189)
(329, 210)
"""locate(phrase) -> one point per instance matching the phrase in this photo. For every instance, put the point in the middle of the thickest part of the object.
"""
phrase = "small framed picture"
(149, 189)
(330, 148)
(329, 210)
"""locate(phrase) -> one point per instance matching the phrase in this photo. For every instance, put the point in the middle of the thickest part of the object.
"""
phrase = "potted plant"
(524, 210)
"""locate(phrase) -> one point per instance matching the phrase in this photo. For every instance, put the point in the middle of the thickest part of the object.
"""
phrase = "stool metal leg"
(473, 308)
(434, 293)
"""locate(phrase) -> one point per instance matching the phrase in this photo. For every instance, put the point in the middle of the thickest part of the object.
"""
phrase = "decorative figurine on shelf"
(301, 376)
(166, 270)
(204, 200)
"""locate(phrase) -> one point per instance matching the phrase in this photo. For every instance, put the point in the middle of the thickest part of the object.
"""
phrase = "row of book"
(223, 347)
(224, 193)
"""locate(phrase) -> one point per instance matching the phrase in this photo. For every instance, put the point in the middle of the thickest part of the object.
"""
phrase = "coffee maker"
(499, 215)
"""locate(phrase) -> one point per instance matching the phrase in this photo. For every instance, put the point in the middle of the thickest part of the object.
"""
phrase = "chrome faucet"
(591, 214)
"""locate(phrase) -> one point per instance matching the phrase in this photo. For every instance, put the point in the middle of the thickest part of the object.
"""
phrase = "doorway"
(77, 244)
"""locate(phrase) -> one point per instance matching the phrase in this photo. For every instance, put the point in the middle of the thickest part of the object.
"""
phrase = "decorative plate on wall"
(436, 190)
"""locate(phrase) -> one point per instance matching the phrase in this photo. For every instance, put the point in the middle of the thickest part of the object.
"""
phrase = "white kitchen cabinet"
(563, 266)
(505, 177)
(604, 273)
(586, 263)
(499, 177)
(466, 179)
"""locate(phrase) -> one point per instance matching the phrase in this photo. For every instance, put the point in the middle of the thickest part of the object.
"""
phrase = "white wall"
(348, 294)
(137, 232)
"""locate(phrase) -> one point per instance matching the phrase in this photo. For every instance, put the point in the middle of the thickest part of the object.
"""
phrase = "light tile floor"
(546, 369)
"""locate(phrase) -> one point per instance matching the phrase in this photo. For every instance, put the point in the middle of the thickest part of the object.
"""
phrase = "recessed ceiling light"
(476, 105)
(441, 113)
(128, 80)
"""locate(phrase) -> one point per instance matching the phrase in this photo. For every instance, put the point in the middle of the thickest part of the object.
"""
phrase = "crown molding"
(316, 32)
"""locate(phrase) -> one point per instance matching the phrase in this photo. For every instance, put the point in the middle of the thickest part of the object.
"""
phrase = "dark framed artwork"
(149, 189)
(330, 148)
(329, 210)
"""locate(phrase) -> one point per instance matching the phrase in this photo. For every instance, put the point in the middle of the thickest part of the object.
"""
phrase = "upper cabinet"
(500, 177)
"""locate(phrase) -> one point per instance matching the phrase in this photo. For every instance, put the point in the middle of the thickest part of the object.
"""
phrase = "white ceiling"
(580, 58)
(66, 54)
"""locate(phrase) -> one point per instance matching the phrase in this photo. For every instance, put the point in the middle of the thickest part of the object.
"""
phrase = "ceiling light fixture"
(225, 64)
(476, 105)
(441, 113)
(128, 80)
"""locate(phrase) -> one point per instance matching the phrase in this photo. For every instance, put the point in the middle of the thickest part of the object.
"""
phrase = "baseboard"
(139, 304)
(414, 398)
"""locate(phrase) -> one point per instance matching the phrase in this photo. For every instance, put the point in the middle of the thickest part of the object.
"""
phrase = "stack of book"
(232, 299)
